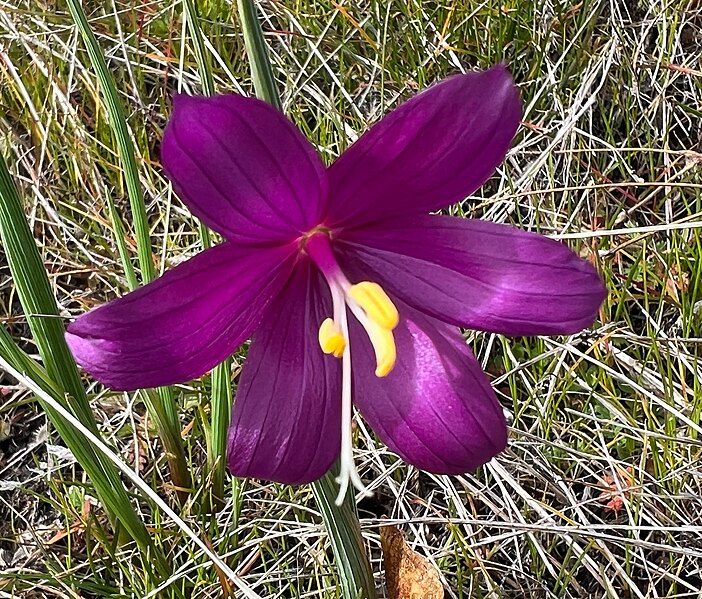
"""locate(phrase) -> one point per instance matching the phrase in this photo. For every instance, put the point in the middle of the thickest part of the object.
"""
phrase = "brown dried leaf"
(408, 575)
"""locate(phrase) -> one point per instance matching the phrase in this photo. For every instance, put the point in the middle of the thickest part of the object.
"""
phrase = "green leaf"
(161, 404)
(61, 378)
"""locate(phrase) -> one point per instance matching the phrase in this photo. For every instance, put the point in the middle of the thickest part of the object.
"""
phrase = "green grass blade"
(161, 404)
(103, 475)
(341, 521)
(120, 237)
(36, 297)
(201, 56)
(19, 360)
(39, 305)
(261, 71)
(221, 406)
(344, 530)
(113, 459)
(221, 393)
(125, 147)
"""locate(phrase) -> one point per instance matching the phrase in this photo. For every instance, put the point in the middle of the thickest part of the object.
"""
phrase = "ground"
(598, 493)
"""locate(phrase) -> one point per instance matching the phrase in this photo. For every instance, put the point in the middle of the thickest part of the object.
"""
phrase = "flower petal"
(286, 422)
(480, 275)
(430, 152)
(243, 168)
(182, 324)
(436, 408)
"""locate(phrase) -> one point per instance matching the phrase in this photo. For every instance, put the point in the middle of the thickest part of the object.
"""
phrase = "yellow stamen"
(331, 339)
(384, 347)
(376, 303)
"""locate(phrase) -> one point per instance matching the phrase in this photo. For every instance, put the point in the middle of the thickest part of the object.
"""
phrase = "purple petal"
(480, 275)
(286, 422)
(243, 168)
(430, 152)
(436, 408)
(182, 324)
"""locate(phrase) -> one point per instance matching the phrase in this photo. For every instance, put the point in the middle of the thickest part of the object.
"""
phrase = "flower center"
(367, 301)
(376, 313)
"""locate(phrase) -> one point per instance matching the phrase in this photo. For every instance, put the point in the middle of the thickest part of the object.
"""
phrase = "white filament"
(347, 472)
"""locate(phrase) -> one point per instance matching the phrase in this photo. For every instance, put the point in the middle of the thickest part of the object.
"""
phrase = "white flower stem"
(348, 472)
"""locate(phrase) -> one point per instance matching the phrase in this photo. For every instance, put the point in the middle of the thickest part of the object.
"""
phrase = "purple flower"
(304, 243)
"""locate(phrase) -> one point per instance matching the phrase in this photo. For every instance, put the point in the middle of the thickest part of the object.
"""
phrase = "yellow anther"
(331, 339)
(384, 347)
(376, 303)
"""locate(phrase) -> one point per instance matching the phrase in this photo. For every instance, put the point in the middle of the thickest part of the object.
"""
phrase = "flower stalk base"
(341, 522)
